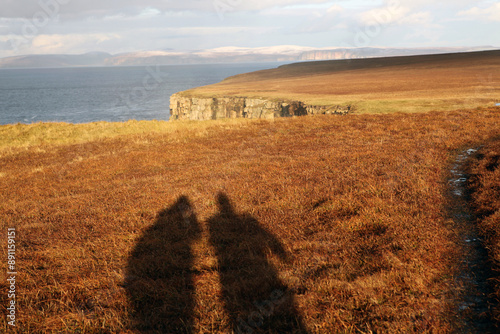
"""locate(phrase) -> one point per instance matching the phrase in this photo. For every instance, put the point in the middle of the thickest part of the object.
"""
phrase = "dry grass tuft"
(313, 224)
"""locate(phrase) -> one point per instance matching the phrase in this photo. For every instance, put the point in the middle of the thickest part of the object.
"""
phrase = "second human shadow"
(254, 296)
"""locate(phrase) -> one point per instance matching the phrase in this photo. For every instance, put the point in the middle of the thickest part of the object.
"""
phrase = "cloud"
(71, 43)
(128, 40)
(395, 13)
(418, 4)
(99, 8)
(131, 25)
(212, 31)
(384, 15)
(398, 15)
(491, 13)
(335, 9)
(320, 21)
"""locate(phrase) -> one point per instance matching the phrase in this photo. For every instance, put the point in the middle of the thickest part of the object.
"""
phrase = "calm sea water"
(80, 95)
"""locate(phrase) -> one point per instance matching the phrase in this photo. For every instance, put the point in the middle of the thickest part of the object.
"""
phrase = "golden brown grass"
(18, 137)
(345, 216)
(411, 84)
(484, 184)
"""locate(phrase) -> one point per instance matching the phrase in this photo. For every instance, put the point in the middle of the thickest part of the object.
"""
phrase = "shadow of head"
(224, 205)
(180, 214)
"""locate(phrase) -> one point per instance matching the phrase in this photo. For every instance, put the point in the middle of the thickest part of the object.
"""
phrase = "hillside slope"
(415, 83)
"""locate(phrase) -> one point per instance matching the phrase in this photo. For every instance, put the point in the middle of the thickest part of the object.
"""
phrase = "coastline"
(376, 85)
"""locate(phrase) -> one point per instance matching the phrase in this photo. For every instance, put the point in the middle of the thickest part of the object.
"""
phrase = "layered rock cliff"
(202, 108)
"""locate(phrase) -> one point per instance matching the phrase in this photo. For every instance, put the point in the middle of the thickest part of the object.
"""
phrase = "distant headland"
(389, 84)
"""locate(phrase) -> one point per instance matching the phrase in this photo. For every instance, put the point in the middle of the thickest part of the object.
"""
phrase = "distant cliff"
(202, 108)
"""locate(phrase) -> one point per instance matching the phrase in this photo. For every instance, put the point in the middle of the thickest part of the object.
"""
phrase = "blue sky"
(117, 26)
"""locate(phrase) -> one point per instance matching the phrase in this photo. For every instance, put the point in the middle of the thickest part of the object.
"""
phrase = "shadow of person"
(254, 297)
(159, 279)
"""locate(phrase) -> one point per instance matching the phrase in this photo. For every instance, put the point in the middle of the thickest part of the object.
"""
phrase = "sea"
(113, 94)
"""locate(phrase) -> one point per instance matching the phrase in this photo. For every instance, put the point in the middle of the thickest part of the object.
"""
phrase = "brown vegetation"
(314, 224)
(484, 185)
(416, 84)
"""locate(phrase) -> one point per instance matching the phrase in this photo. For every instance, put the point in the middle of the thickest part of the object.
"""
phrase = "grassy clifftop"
(24, 137)
(416, 83)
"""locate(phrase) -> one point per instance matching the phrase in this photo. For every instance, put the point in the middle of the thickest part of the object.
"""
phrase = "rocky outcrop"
(202, 108)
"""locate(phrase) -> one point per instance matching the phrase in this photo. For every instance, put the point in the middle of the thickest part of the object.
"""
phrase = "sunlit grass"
(17, 136)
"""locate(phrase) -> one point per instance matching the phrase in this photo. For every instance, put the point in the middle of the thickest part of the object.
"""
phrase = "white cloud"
(131, 25)
(72, 8)
(385, 15)
(491, 13)
(127, 40)
(71, 43)
(320, 21)
(214, 31)
(397, 14)
(335, 9)
(417, 4)
(302, 11)
(423, 19)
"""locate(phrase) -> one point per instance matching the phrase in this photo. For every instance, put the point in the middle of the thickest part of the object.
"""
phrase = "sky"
(119, 26)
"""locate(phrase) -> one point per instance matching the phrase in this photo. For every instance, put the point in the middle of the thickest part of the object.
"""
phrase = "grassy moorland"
(408, 84)
(315, 224)
(16, 137)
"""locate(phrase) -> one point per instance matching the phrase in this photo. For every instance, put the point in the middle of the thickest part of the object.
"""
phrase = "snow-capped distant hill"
(281, 53)
(40, 61)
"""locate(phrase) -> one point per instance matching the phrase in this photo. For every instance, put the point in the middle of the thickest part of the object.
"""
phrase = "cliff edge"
(203, 108)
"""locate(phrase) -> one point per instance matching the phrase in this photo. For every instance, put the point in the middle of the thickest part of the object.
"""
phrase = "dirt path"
(474, 307)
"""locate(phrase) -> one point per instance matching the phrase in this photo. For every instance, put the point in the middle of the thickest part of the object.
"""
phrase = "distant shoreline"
(230, 55)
